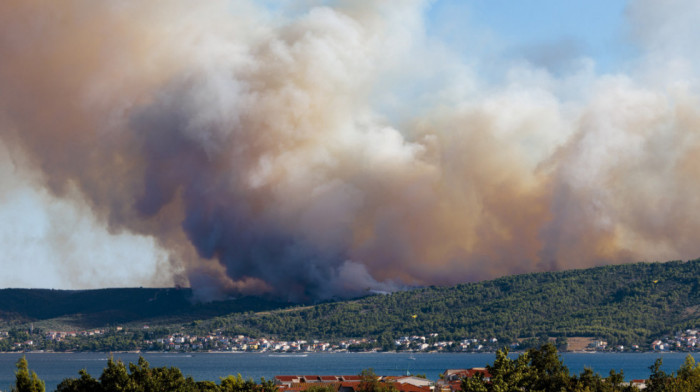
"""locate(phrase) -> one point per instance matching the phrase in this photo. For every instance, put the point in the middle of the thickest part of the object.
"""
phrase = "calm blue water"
(53, 368)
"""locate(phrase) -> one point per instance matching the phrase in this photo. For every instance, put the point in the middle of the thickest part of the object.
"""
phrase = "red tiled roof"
(472, 372)
(299, 387)
(402, 387)
(466, 373)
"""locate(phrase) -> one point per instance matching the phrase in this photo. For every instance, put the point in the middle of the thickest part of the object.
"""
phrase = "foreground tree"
(26, 381)
(369, 382)
(237, 384)
(86, 383)
(540, 370)
(141, 377)
(688, 377)
(115, 377)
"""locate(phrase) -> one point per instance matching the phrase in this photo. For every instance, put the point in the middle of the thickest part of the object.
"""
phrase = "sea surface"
(54, 367)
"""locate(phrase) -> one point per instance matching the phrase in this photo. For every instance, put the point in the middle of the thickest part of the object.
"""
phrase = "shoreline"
(303, 354)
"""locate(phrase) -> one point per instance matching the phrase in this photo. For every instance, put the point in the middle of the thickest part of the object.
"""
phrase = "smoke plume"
(324, 150)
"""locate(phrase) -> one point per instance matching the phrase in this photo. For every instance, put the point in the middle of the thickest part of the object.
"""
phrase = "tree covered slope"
(104, 307)
(623, 303)
(629, 303)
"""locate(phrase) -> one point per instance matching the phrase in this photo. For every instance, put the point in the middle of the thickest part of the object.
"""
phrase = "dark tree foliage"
(141, 377)
(624, 304)
(26, 381)
(658, 378)
(369, 382)
(97, 308)
(541, 370)
(86, 383)
(535, 370)
(687, 379)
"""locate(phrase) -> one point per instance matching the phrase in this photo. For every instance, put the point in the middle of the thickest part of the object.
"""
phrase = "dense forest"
(624, 304)
(80, 309)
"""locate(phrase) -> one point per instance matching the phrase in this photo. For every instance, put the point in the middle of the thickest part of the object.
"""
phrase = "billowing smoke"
(313, 151)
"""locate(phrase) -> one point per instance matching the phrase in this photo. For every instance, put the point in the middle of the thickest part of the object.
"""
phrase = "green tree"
(86, 383)
(550, 374)
(237, 384)
(475, 383)
(687, 378)
(369, 382)
(115, 378)
(206, 386)
(540, 370)
(170, 379)
(614, 380)
(587, 381)
(386, 342)
(26, 381)
(508, 374)
(658, 378)
(267, 385)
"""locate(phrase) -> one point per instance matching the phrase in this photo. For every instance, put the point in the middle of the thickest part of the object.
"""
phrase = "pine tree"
(26, 381)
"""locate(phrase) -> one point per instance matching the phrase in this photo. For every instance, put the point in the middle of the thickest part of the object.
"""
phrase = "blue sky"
(546, 32)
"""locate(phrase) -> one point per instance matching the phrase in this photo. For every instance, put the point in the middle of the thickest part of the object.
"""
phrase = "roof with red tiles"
(402, 387)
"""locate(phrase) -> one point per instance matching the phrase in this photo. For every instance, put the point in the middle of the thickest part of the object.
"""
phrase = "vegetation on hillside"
(624, 304)
(103, 307)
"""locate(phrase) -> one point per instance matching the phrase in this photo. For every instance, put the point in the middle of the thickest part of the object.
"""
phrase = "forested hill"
(624, 303)
(103, 307)
(629, 303)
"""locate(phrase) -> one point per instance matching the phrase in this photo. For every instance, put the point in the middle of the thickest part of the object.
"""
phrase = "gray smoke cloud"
(330, 149)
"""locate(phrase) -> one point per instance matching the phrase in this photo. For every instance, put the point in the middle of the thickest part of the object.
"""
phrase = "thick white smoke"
(313, 151)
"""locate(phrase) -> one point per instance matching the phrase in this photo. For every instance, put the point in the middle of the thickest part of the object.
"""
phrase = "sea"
(54, 367)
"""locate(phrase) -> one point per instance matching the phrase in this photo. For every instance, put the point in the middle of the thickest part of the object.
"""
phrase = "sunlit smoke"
(319, 151)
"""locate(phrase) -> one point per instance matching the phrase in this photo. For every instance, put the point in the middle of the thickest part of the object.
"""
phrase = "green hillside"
(624, 303)
(630, 303)
(104, 307)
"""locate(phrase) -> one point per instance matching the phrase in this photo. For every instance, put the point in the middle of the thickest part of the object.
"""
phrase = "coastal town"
(124, 339)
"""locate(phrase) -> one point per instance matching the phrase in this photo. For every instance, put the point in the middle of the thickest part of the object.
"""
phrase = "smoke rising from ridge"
(331, 150)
